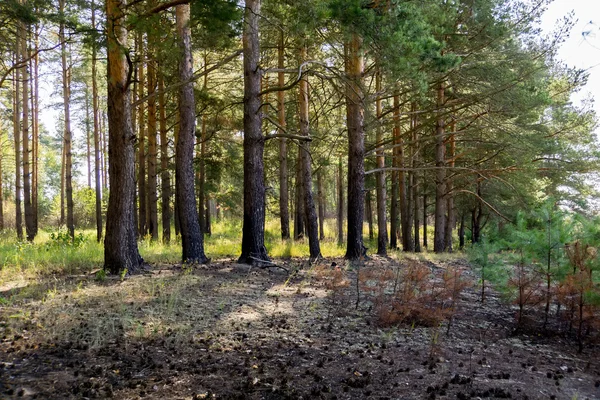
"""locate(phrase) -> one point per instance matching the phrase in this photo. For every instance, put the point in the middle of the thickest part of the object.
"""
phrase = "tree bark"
(35, 101)
(321, 201)
(299, 213)
(97, 133)
(439, 242)
(1, 191)
(394, 209)
(253, 231)
(192, 239)
(284, 212)
(68, 135)
(355, 248)
(120, 245)
(382, 233)
(165, 176)
(141, 180)
(461, 232)
(88, 134)
(404, 190)
(425, 240)
(309, 204)
(414, 183)
(29, 221)
(340, 202)
(369, 213)
(449, 195)
(151, 187)
(17, 140)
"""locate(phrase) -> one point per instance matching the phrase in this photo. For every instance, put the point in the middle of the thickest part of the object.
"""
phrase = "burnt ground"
(228, 331)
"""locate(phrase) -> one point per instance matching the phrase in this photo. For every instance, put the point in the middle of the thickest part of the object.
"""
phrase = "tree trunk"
(355, 248)
(68, 135)
(192, 239)
(461, 232)
(284, 212)
(394, 209)
(97, 133)
(35, 101)
(120, 245)
(439, 243)
(321, 201)
(449, 195)
(340, 202)
(425, 240)
(405, 206)
(207, 217)
(17, 139)
(299, 213)
(200, 154)
(414, 177)
(309, 205)
(29, 222)
(141, 194)
(88, 134)
(369, 213)
(477, 217)
(1, 191)
(151, 187)
(253, 231)
(382, 233)
(165, 176)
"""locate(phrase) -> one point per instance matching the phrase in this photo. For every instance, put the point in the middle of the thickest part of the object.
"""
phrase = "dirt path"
(227, 331)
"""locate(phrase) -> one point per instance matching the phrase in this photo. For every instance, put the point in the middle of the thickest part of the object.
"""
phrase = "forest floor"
(230, 331)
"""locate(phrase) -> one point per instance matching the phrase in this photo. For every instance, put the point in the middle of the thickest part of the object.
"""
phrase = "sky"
(579, 50)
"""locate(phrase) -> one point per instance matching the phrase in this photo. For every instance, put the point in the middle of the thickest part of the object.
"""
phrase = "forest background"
(415, 135)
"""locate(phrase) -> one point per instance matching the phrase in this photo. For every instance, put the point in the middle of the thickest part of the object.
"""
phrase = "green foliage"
(62, 238)
(489, 264)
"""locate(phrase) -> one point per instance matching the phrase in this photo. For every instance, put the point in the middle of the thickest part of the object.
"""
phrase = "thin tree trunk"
(461, 232)
(207, 217)
(120, 245)
(29, 222)
(309, 204)
(449, 195)
(165, 176)
(321, 201)
(439, 243)
(141, 193)
(104, 134)
(299, 214)
(97, 149)
(1, 191)
(62, 181)
(414, 177)
(17, 139)
(192, 239)
(200, 154)
(253, 232)
(68, 156)
(425, 240)
(88, 133)
(284, 212)
(151, 188)
(35, 100)
(405, 205)
(369, 213)
(394, 209)
(340, 202)
(382, 233)
(355, 248)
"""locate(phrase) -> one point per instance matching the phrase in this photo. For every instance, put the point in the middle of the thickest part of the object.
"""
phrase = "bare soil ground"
(227, 331)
